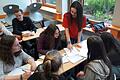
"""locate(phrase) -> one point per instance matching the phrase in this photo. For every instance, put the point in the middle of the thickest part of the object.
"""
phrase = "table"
(40, 30)
(65, 67)
(34, 36)
(83, 52)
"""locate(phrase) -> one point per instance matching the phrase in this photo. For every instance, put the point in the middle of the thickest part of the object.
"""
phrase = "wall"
(62, 7)
(17, 2)
(116, 15)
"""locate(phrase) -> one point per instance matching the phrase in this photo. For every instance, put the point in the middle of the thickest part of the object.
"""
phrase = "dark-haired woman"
(11, 57)
(98, 65)
(49, 39)
(73, 22)
(112, 46)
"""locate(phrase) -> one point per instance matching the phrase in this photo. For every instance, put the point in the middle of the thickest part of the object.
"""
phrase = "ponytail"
(47, 69)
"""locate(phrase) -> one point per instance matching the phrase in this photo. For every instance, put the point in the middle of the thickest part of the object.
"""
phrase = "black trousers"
(30, 48)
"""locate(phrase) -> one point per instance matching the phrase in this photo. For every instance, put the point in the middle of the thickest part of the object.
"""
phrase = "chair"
(35, 15)
(9, 10)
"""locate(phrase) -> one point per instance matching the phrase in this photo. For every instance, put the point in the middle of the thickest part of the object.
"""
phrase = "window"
(51, 2)
(48, 3)
(101, 10)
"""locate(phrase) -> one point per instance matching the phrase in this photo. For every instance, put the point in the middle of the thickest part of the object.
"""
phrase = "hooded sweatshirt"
(96, 70)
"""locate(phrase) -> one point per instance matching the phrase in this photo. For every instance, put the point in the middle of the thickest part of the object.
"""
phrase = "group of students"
(102, 60)
(103, 50)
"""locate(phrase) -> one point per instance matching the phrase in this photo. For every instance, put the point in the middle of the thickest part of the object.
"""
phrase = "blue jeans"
(73, 40)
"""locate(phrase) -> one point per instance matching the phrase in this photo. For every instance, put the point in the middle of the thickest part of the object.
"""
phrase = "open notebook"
(72, 55)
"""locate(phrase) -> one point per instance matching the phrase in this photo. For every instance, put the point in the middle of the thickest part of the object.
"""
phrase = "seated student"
(21, 24)
(98, 66)
(11, 57)
(4, 31)
(49, 69)
(49, 39)
(112, 46)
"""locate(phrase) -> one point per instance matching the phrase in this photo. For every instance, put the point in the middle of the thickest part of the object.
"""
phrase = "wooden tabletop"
(33, 36)
(39, 31)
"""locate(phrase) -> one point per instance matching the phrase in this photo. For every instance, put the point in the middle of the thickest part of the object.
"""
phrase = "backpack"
(99, 27)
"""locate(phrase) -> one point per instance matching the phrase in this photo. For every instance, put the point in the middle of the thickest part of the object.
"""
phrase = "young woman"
(49, 39)
(11, 57)
(73, 22)
(112, 46)
(98, 66)
(49, 69)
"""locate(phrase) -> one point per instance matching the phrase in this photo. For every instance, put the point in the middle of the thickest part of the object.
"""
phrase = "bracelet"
(68, 42)
(21, 78)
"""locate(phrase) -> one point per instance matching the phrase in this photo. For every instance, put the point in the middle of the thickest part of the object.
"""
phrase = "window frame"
(46, 4)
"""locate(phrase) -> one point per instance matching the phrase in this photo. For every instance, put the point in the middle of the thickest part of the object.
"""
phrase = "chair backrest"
(9, 9)
(34, 7)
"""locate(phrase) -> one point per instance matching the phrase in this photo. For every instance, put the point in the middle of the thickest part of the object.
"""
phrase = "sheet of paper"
(71, 52)
(22, 69)
(65, 59)
(42, 57)
(17, 71)
(83, 49)
(75, 58)
(73, 55)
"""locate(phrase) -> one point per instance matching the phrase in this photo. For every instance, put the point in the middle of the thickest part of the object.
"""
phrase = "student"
(11, 57)
(49, 69)
(49, 39)
(20, 24)
(98, 66)
(4, 31)
(73, 22)
(112, 46)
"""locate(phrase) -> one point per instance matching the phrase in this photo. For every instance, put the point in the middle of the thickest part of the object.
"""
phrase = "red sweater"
(73, 30)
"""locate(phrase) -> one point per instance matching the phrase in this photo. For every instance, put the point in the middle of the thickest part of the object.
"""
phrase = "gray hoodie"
(96, 70)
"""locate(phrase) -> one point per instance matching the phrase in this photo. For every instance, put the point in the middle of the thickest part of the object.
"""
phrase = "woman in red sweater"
(73, 22)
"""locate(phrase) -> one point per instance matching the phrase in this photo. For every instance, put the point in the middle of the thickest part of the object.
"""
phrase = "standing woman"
(49, 39)
(73, 22)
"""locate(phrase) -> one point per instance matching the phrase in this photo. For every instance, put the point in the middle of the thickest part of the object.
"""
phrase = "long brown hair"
(49, 35)
(79, 9)
(96, 51)
(6, 44)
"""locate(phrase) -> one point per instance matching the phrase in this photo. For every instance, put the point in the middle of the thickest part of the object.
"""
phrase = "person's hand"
(78, 46)
(80, 74)
(69, 46)
(33, 68)
(26, 75)
(32, 33)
